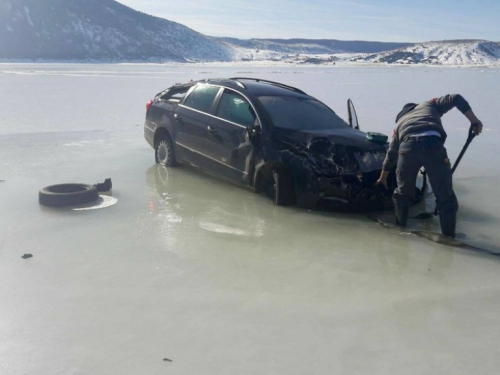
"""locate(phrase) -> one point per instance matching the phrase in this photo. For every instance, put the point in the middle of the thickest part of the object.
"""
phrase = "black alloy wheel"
(280, 188)
(164, 152)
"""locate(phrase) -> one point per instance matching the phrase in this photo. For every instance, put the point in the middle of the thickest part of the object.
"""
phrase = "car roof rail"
(271, 82)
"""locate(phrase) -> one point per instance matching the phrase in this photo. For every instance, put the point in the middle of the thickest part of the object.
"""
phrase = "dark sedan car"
(270, 137)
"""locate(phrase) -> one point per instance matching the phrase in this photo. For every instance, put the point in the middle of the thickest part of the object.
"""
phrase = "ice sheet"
(211, 276)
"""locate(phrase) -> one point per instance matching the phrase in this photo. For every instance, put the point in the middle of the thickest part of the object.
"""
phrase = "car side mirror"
(253, 132)
(256, 128)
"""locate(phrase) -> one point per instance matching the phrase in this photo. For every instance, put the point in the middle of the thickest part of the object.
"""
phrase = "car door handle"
(211, 129)
(177, 117)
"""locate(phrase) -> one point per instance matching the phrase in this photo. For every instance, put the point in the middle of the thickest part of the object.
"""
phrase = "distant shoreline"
(261, 63)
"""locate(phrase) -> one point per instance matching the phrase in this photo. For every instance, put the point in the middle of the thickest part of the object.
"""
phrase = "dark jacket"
(424, 117)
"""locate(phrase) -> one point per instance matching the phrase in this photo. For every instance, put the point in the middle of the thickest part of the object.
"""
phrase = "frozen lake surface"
(214, 277)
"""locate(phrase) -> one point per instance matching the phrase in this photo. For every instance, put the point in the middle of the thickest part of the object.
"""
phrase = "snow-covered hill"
(98, 30)
(457, 52)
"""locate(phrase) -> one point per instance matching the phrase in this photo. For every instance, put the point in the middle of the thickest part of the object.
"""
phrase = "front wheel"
(164, 152)
(280, 188)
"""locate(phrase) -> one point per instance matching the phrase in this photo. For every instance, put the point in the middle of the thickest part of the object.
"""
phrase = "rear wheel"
(164, 152)
(280, 187)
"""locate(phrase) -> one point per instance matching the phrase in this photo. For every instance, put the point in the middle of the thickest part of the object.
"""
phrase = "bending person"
(418, 141)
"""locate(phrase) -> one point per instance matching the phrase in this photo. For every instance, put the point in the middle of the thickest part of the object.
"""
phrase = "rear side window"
(175, 95)
(235, 108)
(202, 98)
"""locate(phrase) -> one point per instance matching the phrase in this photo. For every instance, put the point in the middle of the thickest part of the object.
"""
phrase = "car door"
(228, 147)
(192, 117)
(353, 117)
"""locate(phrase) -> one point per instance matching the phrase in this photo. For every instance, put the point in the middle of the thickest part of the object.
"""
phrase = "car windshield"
(296, 113)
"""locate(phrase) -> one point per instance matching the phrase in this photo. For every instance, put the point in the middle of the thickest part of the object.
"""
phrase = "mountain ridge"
(105, 30)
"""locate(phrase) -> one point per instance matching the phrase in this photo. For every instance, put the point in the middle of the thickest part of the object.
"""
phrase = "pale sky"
(379, 20)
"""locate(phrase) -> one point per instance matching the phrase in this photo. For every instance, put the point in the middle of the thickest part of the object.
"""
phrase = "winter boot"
(448, 222)
(401, 212)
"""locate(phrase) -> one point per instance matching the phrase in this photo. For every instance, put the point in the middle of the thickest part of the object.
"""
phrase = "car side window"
(202, 97)
(235, 108)
(175, 95)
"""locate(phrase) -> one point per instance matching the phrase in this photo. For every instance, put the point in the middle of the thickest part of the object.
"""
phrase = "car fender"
(304, 177)
(167, 125)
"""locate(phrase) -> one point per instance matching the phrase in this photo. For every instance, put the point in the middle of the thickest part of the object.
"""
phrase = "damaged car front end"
(332, 164)
(332, 174)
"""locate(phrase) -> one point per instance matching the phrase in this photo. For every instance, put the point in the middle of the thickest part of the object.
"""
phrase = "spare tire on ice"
(67, 195)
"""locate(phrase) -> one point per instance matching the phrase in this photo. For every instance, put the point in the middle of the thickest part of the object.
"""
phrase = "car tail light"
(148, 104)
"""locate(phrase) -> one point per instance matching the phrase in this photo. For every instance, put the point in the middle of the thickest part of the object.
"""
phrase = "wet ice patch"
(477, 218)
(219, 228)
(173, 218)
(224, 229)
(103, 201)
(84, 143)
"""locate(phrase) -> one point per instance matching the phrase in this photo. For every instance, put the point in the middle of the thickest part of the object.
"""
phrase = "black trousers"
(429, 153)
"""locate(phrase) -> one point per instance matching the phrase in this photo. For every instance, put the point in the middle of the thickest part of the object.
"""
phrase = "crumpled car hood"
(334, 151)
(342, 136)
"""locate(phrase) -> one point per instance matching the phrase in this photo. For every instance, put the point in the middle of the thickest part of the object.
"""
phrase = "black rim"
(163, 152)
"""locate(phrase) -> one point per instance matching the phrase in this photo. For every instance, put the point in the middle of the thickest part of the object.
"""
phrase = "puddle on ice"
(477, 219)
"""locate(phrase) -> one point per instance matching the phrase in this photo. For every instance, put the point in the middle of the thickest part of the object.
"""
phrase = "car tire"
(67, 195)
(164, 152)
(282, 192)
